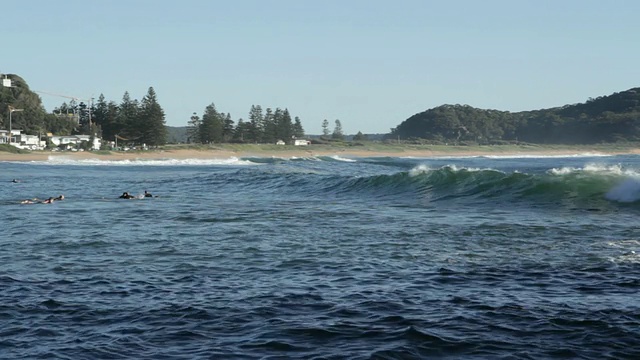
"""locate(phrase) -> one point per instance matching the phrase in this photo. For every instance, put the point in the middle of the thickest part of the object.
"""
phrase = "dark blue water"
(322, 258)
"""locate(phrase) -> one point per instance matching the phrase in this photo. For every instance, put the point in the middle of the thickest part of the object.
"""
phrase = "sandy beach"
(286, 153)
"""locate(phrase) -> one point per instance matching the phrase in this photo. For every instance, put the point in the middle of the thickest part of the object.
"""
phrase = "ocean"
(322, 258)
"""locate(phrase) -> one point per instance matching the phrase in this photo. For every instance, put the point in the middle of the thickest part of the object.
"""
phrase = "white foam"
(418, 170)
(626, 192)
(630, 251)
(510, 156)
(422, 169)
(535, 156)
(564, 170)
(63, 160)
(439, 157)
(596, 168)
(336, 157)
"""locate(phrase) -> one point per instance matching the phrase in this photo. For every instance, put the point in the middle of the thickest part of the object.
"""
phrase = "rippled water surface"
(326, 258)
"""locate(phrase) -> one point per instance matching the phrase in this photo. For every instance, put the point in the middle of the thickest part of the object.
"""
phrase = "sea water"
(322, 258)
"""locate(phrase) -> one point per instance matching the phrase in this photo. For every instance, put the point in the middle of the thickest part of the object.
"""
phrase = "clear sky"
(369, 63)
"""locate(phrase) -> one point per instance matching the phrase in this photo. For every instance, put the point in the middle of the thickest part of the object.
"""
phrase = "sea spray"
(626, 192)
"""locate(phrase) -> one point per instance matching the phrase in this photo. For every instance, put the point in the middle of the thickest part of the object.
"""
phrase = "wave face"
(322, 257)
(591, 186)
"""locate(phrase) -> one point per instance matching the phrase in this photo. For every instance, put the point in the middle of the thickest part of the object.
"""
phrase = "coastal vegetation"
(265, 127)
(142, 122)
(612, 119)
(12, 149)
(606, 119)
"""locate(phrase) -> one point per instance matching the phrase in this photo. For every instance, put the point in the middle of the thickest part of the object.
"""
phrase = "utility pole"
(11, 111)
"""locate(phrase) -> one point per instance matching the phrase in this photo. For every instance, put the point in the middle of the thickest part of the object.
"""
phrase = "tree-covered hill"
(142, 121)
(32, 115)
(604, 119)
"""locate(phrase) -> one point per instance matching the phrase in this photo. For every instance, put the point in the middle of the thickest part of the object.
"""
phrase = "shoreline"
(182, 154)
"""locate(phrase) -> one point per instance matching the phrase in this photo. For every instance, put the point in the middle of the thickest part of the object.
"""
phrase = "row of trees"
(266, 126)
(605, 119)
(337, 133)
(141, 121)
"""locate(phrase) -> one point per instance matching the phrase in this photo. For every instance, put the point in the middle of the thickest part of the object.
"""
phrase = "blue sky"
(371, 64)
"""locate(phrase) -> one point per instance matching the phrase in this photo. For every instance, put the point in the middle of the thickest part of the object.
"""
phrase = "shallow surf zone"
(542, 156)
(279, 159)
(63, 160)
(511, 156)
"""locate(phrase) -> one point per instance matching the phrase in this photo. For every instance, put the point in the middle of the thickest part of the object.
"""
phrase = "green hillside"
(611, 118)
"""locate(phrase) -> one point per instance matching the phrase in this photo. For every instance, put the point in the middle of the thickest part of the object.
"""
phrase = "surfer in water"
(46, 201)
(147, 194)
(126, 195)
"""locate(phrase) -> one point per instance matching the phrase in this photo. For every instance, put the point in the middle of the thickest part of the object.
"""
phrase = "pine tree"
(211, 126)
(256, 123)
(284, 126)
(193, 129)
(84, 112)
(112, 119)
(126, 124)
(269, 127)
(337, 131)
(101, 117)
(241, 131)
(227, 128)
(298, 131)
(325, 127)
(153, 130)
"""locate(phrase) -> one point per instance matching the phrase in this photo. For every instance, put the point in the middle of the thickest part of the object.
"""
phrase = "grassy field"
(12, 149)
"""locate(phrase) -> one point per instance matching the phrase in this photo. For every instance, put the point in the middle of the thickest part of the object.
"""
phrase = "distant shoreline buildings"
(35, 142)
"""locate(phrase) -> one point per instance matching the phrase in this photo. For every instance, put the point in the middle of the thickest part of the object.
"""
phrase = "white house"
(22, 141)
(74, 140)
(301, 142)
(30, 142)
(280, 142)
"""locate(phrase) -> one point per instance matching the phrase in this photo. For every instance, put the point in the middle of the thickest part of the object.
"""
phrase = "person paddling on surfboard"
(126, 195)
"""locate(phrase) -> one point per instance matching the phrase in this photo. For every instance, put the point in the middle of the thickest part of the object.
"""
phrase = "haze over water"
(324, 257)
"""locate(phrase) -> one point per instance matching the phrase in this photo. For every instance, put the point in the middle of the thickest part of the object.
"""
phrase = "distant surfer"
(147, 194)
(15, 181)
(126, 195)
